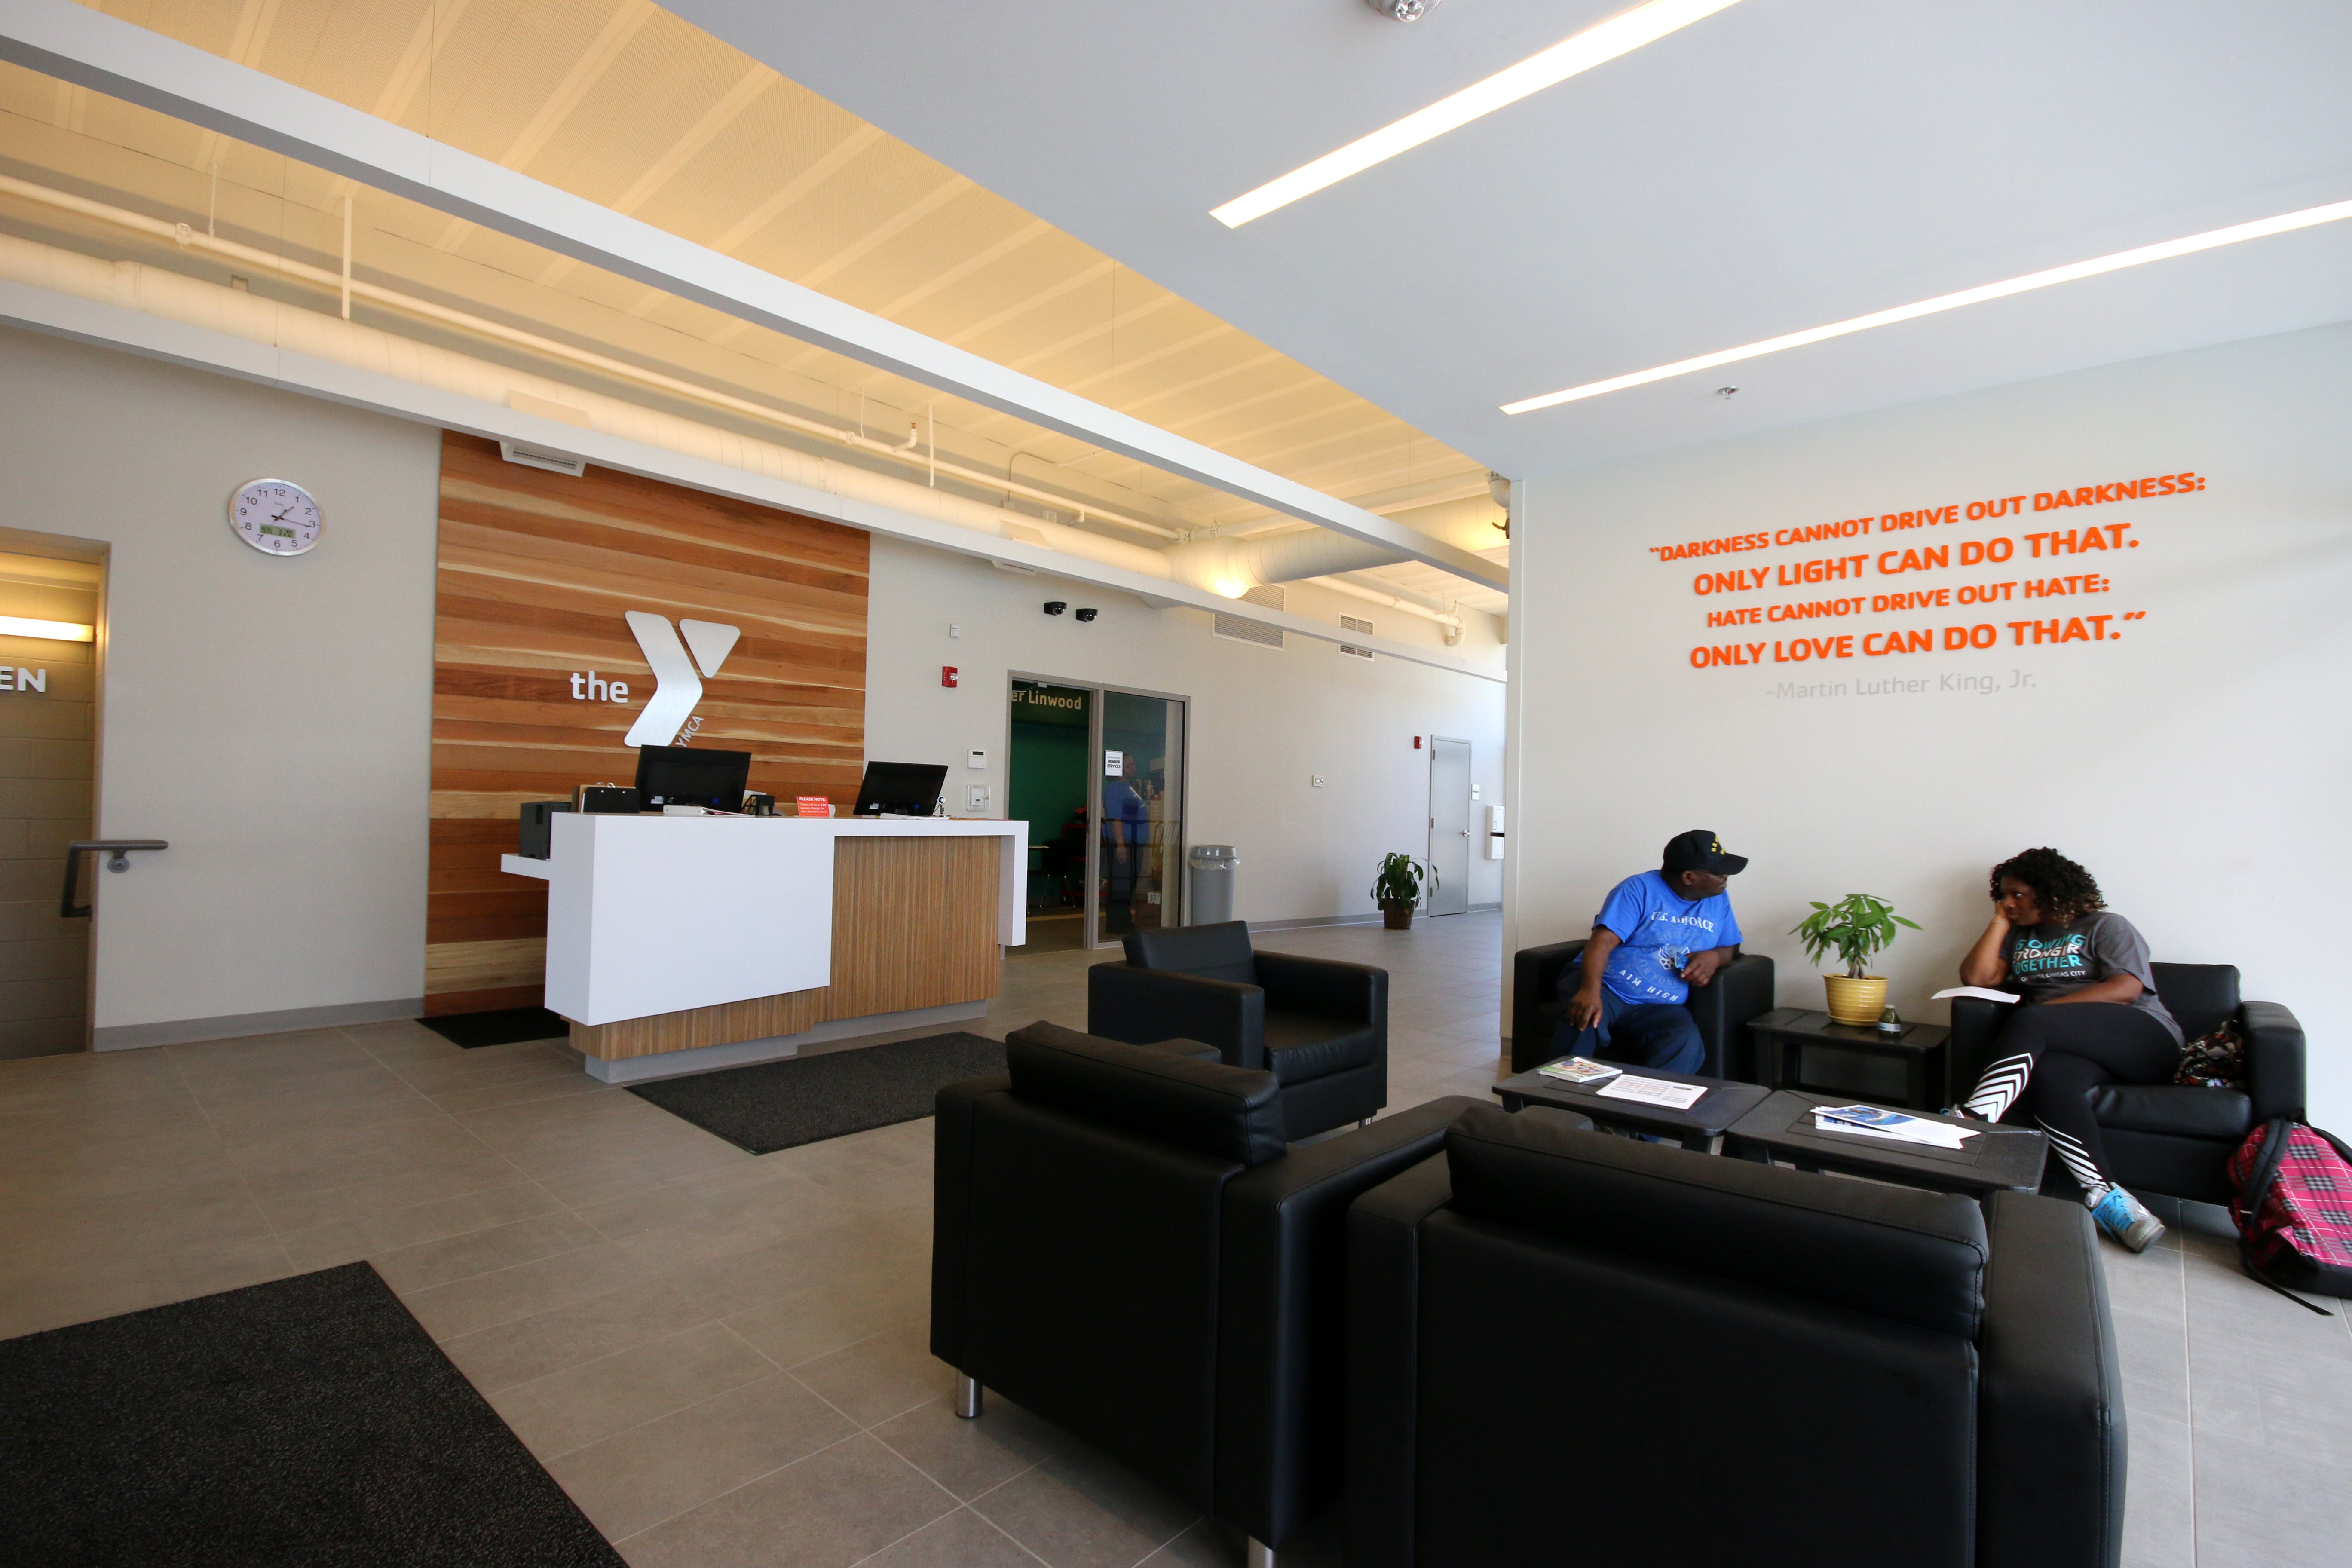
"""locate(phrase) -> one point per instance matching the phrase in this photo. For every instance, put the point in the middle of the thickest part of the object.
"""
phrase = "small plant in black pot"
(1396, 888)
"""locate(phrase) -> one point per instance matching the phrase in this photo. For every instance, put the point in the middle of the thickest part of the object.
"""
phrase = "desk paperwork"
(1654, 1091)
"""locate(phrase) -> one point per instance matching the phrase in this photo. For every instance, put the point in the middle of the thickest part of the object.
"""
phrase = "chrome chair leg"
(966, 1397)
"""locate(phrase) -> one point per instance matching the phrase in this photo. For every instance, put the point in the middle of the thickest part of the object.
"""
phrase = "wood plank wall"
(536, 570)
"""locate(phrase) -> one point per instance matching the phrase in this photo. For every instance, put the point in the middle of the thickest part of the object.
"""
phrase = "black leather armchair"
(1740, 990)
(1123, 1244)
(1319, 1026)
(2165, 1138)
(1711, 1361)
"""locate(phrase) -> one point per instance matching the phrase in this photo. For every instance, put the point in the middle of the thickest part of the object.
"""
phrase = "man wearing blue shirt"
(1660, 933)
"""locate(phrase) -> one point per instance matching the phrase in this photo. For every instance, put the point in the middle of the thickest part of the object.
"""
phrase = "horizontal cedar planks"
(535, 571)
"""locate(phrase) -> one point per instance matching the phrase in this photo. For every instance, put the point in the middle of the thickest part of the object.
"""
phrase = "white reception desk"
(678, 943)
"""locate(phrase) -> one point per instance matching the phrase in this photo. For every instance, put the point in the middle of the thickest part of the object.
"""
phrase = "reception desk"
(680, 943)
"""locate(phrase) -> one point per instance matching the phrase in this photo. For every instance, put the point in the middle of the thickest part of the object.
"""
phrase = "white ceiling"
(1780, 166)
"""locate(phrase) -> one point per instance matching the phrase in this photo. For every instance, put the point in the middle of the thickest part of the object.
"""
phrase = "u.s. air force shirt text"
(1657, 931)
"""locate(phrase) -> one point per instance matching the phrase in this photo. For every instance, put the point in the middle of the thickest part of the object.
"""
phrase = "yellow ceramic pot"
(1855, 1001)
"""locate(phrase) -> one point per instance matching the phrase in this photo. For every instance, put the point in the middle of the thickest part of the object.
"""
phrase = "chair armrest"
(1383, 1358)
(1535, 974)
(1281, 1318)
(1191, 1050)
(2050, 1415)
(1144, 1007)
(1968, 1051)
(1740, 990)
(952, 1206)
(2273, 1060)
(1356, 992)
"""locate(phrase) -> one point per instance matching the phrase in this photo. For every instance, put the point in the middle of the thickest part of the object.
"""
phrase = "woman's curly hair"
(2067, 891)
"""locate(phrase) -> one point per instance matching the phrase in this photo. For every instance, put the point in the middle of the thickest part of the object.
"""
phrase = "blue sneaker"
(2126, 1220)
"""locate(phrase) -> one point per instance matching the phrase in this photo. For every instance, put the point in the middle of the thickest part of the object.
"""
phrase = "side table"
(1781, 1034)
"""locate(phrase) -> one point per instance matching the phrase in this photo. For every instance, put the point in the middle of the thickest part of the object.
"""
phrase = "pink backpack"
(2293, 1209)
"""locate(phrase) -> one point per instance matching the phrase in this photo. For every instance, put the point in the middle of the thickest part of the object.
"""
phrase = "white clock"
(275, 517)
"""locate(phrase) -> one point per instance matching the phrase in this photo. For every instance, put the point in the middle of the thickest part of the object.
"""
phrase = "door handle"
(116, 860)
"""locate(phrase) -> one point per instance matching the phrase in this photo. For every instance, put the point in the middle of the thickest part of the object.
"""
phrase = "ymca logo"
(676, 686)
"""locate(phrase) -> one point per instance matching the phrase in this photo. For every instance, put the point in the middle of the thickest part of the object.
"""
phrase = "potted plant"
(1855, 927)
(1396, 888)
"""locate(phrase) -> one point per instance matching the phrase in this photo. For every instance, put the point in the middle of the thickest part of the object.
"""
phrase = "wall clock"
(275, 517)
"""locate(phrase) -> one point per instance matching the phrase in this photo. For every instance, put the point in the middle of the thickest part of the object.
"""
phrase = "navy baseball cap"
(1700, 850)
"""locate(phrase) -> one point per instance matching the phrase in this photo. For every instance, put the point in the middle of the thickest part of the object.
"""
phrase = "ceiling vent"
(532, 457)
(1236, 629)
(1353, 652)
(1355, 623)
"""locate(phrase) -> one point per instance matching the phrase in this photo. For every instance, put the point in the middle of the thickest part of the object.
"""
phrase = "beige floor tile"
(409, 1269)
(888, 1294)
(385, 1231)
(486, 1301)
(208, 1204)
(583, 1404)
(962, 1540)
(740, 1282)
(836, 1506)
(522, 1091)
(294, 1205)
(636, 1478)
(531, 1348)
(102, 1282)
(1078, 1509)
(881, 1376)
(970, 1458)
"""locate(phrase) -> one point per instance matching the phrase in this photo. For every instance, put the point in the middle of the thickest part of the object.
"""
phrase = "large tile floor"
(722, 1358)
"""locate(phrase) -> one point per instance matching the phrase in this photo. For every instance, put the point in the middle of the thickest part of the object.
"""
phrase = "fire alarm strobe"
(947, 675)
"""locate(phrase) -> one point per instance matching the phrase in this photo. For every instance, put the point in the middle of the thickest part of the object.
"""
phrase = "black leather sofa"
(1567, 1347)
(1319, 1026)
(2165, 1138)
(1123, 1244)
(1740, 990)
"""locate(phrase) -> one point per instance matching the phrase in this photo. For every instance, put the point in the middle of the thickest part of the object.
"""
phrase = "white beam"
(94, 50)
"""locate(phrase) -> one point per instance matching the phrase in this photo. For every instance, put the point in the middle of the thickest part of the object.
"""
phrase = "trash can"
(1210, 888)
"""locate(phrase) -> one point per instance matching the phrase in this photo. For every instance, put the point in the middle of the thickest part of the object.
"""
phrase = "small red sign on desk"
(813, 806)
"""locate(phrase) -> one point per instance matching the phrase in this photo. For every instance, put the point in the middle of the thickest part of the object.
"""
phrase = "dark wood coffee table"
(1781, 1033)
(1995, 1159)
(1709, 1116)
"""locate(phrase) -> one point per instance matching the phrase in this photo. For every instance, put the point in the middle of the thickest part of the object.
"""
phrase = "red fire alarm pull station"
(1416, 743)
(948, 677)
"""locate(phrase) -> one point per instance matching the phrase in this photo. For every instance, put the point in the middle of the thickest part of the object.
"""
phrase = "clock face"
(275, 517)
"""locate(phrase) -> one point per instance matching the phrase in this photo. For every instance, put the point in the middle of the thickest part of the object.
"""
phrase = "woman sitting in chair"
(2088, 1015)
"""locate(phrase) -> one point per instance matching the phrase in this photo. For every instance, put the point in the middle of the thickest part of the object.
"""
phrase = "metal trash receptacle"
(1209, 891)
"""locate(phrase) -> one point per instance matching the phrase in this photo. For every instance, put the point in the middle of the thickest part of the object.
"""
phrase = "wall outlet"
(1316, 779)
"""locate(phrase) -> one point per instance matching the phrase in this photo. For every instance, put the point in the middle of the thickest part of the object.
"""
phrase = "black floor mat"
(778, 1105)
(305, 1421)
(505, 1026)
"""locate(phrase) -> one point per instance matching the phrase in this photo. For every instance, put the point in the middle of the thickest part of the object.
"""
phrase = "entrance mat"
(305, 1421)
(504, 1027)
(778, 1105)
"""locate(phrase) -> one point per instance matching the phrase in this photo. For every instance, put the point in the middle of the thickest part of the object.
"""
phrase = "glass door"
(1046, 785)
(1140, 846)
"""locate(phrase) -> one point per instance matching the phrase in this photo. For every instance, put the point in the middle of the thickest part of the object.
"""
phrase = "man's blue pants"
(1641, 1034)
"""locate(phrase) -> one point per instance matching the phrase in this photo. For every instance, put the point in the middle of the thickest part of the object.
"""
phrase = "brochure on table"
(1872, 1121)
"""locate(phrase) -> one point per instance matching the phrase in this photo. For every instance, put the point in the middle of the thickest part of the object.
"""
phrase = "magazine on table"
(1874, 1121)
(1654, 1092)
(1580, 1070)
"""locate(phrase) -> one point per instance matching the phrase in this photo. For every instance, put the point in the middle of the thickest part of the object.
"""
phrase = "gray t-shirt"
(2050, 961)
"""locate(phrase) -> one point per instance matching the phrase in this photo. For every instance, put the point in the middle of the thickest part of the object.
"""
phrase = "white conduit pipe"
(1234, 566)
(189, 239)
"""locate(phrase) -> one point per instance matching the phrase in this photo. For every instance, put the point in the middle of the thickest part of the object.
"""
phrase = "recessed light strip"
(2259, 229)
(55, 631)
(1595, 46)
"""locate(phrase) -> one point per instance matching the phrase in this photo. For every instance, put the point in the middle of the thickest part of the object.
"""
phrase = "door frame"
(1470, 768)
(1093, 786)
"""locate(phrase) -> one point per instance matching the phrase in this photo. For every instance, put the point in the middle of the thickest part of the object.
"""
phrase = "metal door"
(1449, 825)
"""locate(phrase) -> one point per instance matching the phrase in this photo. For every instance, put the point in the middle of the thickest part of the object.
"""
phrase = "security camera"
(1086, 615)
(1404, 10)
(1056, 606)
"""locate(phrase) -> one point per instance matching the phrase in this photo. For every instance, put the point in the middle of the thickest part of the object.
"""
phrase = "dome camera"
(1056, 606)
(1087, 614)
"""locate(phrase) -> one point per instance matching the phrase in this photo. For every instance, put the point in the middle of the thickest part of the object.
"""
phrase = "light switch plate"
(980, 797)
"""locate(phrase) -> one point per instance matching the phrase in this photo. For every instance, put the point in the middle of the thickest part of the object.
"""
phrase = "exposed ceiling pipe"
(1230, 567)
(189, 239)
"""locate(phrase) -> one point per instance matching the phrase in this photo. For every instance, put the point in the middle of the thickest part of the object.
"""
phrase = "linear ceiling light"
(56, 631)
(2258, 229)
(1620, 35)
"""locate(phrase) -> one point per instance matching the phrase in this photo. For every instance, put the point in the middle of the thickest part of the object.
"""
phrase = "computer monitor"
(901, 789)
(692, 776)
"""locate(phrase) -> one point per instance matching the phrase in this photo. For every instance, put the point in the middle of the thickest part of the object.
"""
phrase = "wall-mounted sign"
(23, 680)
(1114, 765)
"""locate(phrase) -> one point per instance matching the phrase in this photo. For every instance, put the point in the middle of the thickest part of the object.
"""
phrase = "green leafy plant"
(1398, 881)
(1854, 926)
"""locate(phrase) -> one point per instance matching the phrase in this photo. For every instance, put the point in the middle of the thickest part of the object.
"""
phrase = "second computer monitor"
(692, 776)
(900, 789)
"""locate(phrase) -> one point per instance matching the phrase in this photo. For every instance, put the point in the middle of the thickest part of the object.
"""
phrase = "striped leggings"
(2047, 1062)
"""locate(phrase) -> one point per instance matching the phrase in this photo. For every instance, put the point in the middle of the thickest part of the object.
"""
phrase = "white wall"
(2198, 765)
(1263, 722)
(270, 717)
